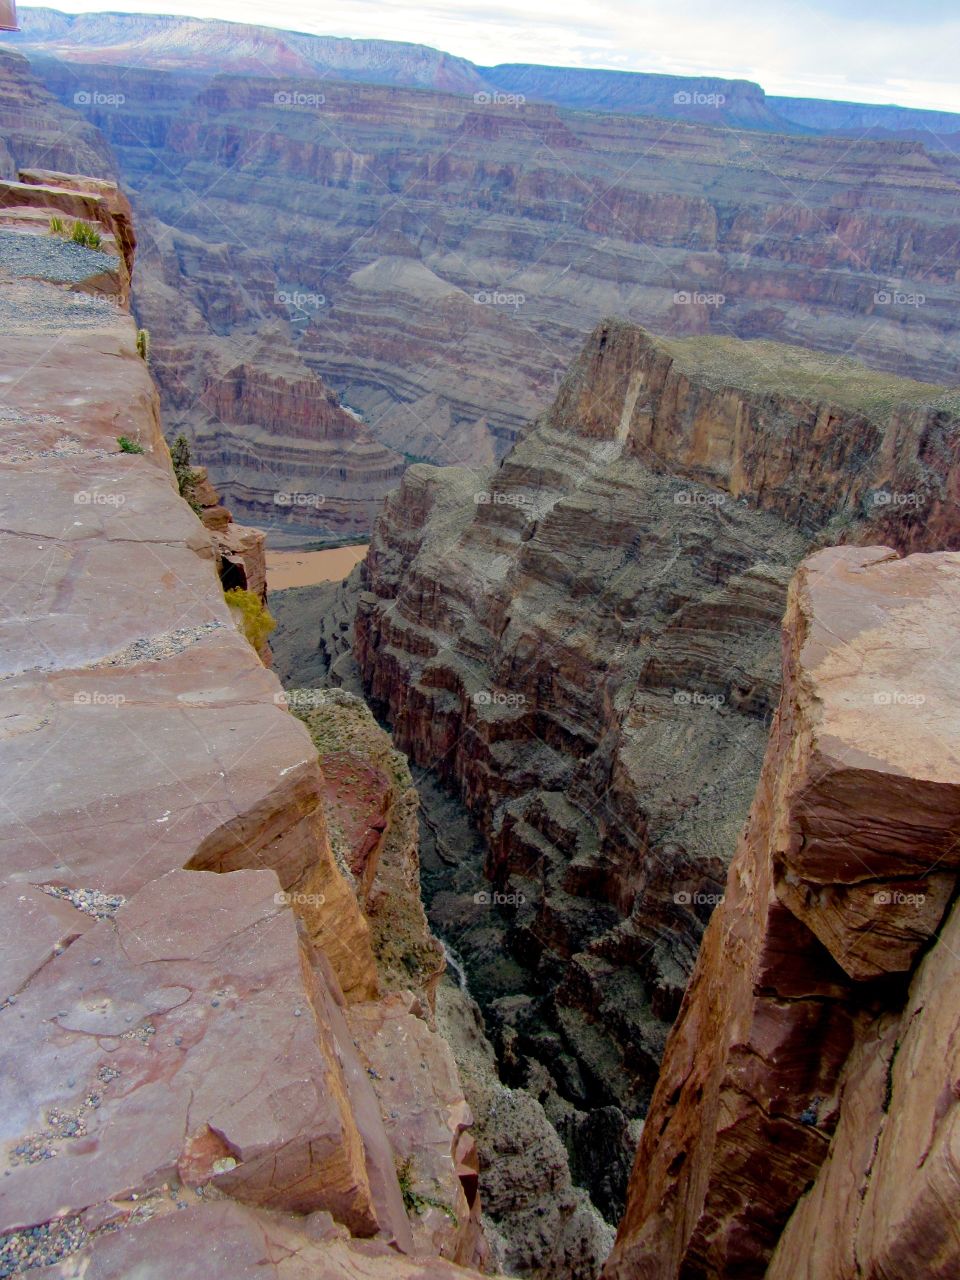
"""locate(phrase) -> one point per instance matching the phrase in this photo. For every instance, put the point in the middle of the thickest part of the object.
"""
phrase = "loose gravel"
(40, 1246)
(28, 307)
(51, 258)
(92, 902)
(155, 648)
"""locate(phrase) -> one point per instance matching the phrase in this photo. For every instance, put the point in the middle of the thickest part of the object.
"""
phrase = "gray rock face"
(584, 645)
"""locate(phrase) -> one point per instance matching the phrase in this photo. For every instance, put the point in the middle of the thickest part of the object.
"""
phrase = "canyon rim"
(570, 891)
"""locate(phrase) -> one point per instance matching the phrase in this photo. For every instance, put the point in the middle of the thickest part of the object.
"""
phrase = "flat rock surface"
(179, 1039)
(223, 1241)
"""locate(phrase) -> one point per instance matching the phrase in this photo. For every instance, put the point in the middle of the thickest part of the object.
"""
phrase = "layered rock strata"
(439, 260)
(182, 950)
(281, 448)
(36, 129)
(536, 1221)
(806, 1105)
(583, 645)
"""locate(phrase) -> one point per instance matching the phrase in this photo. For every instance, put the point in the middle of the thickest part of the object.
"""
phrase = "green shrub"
(129, 446)
(257, 619)
(186, 476)
(57, 227)
(143, 344)
(413, 1202)
(86, 235)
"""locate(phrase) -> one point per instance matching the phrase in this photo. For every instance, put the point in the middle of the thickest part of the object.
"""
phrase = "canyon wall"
(583, 645)
(439, 260)
(207, 1034)
(280, 447)
(210, 47)
(804, 1122)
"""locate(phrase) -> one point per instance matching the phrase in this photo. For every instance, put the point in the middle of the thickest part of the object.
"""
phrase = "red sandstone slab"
(427, 1120)
(183, 1038)
(72, 526)
(34, 927)
(87, 384)
(116, 775)
(224, 1241)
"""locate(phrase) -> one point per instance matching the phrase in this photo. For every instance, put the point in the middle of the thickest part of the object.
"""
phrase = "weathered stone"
(778, 1029)
(224, 1241)
(195, 1047)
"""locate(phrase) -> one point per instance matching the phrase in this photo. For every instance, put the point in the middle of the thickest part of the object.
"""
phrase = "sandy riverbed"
(307, 568)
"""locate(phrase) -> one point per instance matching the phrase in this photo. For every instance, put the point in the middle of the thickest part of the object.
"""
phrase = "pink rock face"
(778, 1075)
(140, 696)
(181, 1038)
(223, 1241)
(427, 1120)
(358, 798)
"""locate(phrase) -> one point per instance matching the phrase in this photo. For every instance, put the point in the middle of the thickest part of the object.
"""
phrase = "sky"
(903, 51)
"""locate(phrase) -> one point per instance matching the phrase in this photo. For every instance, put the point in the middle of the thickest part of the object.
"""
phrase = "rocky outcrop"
(583, 646)
(278, 444)
(276, 441)
(811, 1070)
(188, 976)
(36, 129)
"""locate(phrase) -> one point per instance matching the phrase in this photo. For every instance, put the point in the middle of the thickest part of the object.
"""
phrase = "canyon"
(402, 227)
(582, 645)
(207, 1027)
(570, 891)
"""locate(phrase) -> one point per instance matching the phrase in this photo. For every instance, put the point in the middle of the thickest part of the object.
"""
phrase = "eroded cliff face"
(584, 646)
(440, 261)
(34, 124)
(279, 445)
(804, 1121)
(199, 1010)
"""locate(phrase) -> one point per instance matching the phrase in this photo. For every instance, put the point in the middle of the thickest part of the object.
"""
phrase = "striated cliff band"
(437, 254)
(583, 644)
(215, 1060)
(804, 1123)
(280, 447)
